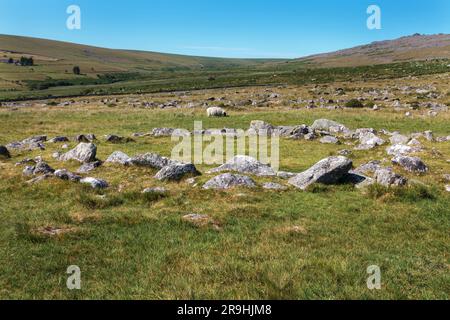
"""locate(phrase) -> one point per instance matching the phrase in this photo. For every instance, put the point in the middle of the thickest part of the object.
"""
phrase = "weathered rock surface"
(118, 157)
(95, 183)
(67, 175)
(151, 160)
(401, 149)
(387, 177)
(84, 152)
(228, 180)
(369, 167)
(329, 140)
(58, 139)
(261, 127)
(112, 138)
(176, 171)
(155, 190)
(328, 125)
(411, 164)
(397, 138)
(369, 141)
(274, 186)
(88, 167)
(326, 171)
(245, 164)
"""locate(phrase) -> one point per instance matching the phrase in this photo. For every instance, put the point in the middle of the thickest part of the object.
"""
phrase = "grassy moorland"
(265, 244)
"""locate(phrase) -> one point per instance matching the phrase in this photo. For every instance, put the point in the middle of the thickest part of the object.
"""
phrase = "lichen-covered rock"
(401, 149)
(387, 177)
(58, 139)
(176, 171)
(369, 141)
(329, 140)
(229, 180)
(411, 164)
(328, 125)
(397, 138)
(151, 160)
(261, 128)
(88, 167)
(84, 152)
(118, 157)
(274, 186)
(64, 174)
(326, 171)
(95, 183)
(42, 168)
(245, 164)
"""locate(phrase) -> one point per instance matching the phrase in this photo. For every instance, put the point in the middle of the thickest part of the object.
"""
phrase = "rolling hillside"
(409, 48)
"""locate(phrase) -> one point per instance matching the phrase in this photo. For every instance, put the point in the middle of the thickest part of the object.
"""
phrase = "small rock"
(67, 175)
(326, 171)
(274, 186)
(95, 183)
(245, 164)
(411, 164)
(58, 139)
(228, 180)
(176, 171)
(329, 140)
(285, 175)
(88, 167)
(84, 152)
(386, 177)
(155, 190)
(151, 160)
(118, 157)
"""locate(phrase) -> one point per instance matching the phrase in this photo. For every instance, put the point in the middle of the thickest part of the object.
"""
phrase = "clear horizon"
(249, 29)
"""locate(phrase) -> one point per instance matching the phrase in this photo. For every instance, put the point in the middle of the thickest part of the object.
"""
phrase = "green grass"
(134, 246)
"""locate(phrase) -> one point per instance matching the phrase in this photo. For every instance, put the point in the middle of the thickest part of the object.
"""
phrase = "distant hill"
(409, 48)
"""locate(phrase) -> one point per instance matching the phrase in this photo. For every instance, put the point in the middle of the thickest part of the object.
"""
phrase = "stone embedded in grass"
(228, 180)
(328, 125)
(369, 140)
(274, 186)
(260, 127)
(42, 168)
(95, 183)
(329, 140)
(411, 164)
(285, 174)
(162, 132)
(112, 138)
(118, 157)
(88, 167)
(64, 174)
(446, 177)
(151, 160)
(386, 177)
(245, 164)
(86, 138)
(58, 139)
(84, 152)
(326, 171)
(369, 167)
(401, 149)
(176, 171)
(399, 139)
(4, 153)
(447, 188)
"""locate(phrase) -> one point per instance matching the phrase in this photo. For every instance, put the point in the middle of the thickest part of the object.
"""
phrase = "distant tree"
(76, 70)
(24, 61)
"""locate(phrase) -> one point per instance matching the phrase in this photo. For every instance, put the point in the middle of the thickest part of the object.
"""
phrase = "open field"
(262, 244)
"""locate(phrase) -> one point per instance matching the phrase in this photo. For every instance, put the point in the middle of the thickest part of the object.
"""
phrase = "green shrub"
(354, 103)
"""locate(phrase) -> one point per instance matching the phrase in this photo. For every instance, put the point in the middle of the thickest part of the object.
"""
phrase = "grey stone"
(274, 186)
(151, 160)
(84, 152)
(58, 139)
(245, 164)
(43, 168)
(399, 139)
(401, 149)
(159, 190)
(326, 171)
(95, 183)
(369, 141)
(328, 125)
(88, 167)
(285, 175)
(386, 177)
(261, 127)
(162, 132)
(118, 157)
(411, 164)
(67, 175)
(329, 140)
(369, 167)
(228, 180)
(176, 171)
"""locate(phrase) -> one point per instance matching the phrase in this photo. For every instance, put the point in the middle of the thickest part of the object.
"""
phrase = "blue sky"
(224, 28)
